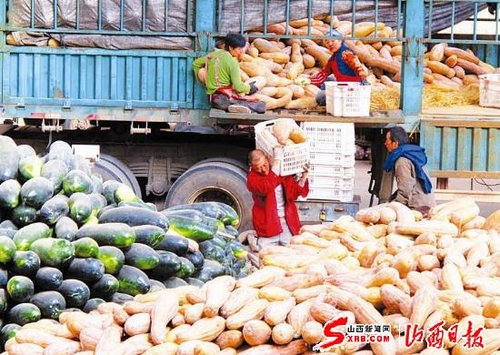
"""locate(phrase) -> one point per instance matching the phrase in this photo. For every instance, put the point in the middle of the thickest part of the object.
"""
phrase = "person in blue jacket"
(414, 187)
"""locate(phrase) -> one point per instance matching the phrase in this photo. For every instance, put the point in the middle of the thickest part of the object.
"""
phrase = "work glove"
(253, 88)
(365, 82)
(302, 177)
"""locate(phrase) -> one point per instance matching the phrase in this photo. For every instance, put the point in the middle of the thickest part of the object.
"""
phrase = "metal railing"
(475, 36)
(351, 8)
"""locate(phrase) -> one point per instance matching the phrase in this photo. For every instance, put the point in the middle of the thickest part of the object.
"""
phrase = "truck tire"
(111, 168)
(231, 161)
(214, 181)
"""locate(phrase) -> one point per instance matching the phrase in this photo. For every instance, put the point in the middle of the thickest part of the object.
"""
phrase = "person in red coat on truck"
(344, 65)
(275, 216)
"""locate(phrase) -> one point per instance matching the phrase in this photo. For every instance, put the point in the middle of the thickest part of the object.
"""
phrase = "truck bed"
(462, 142)
(377, 119)
(461, 111)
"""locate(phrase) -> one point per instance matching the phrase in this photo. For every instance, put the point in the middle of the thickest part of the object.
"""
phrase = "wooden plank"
(479, 146)
(491, 56)
(464, 148)
(438, 146)
(478, 196)
(428, 134)
(475, 122)
(378, 118)
(449, 139)
(465, 174)
(463, 110)
(493, 150)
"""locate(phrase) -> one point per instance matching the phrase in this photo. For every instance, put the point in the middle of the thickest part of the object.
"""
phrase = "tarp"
(125, 42)
(365, 11)
(157, 18)
(172, 16)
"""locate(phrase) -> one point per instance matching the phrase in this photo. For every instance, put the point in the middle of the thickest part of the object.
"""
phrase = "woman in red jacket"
(275, 216)
(343, 64)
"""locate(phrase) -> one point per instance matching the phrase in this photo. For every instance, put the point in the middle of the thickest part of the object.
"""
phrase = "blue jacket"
(417, 156)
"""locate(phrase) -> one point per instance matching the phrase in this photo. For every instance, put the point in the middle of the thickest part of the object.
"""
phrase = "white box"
(330, 136)
(334, 182)
(489, 90)
(335, 159)
(332, 170)
(321, 193)
(294, 156)
(347, 99)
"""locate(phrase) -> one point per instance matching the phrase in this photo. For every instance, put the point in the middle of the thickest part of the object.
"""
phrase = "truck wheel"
(111, 168)
(214, 181)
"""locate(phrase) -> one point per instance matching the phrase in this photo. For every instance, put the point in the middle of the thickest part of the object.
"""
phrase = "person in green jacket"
(219, 71)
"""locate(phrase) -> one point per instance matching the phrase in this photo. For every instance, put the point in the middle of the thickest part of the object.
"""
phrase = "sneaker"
(238, 109)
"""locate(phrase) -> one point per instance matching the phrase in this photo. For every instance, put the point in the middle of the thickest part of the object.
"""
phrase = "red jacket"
(265, 212)
(344, 64)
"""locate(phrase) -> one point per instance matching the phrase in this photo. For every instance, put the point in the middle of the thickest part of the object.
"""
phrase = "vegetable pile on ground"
(70, 240)
(388, 267)
(450, 74)
(215, 319)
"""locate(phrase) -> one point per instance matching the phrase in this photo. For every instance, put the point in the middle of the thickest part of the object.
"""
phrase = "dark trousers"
(222, 102)
(321, 96)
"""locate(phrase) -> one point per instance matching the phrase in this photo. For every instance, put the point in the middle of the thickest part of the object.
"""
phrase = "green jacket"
(228, 72)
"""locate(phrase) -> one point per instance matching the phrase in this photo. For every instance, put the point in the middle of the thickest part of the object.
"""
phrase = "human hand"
(253, 88)
(305, 173)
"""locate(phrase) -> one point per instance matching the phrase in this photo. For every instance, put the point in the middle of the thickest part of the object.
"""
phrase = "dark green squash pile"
(70, 240)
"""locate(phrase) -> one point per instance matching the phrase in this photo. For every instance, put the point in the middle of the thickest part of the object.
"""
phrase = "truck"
(118, 75)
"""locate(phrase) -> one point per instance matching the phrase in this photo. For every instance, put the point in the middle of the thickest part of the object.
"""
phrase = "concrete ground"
(362, 181)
